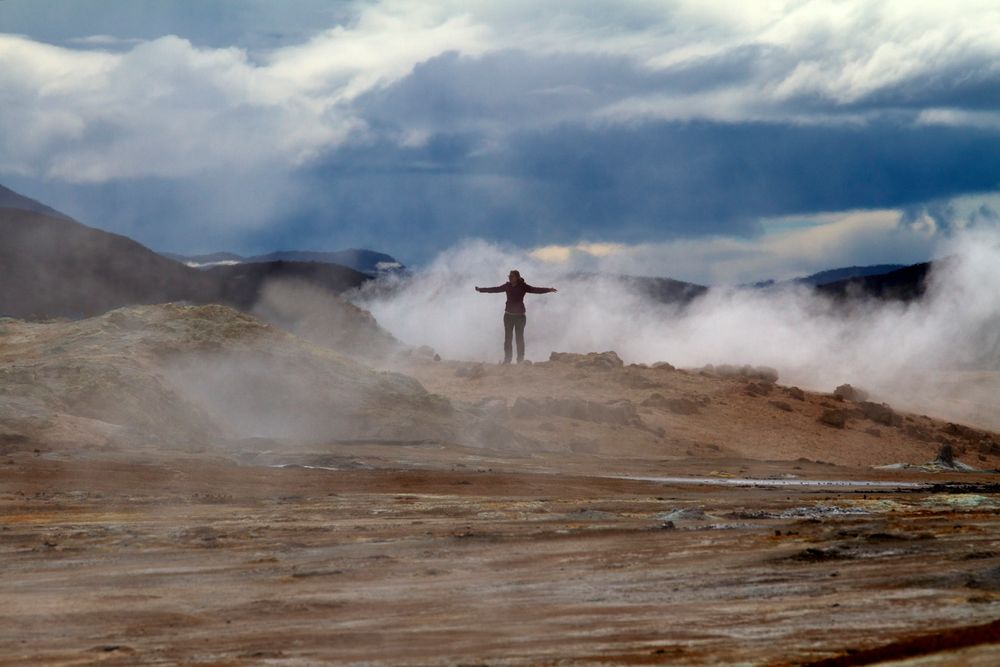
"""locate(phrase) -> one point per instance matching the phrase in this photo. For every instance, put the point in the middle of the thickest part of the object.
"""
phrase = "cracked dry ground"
(186, 561)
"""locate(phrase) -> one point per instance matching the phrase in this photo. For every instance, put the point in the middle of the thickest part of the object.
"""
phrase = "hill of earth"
(180, 377)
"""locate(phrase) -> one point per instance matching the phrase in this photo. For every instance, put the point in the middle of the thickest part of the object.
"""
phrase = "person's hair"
(517, 276)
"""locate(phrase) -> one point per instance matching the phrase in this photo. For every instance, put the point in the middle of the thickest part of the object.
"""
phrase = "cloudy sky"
(704, 140)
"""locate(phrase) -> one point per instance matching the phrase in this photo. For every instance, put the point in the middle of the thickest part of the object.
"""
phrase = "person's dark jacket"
(515, 295)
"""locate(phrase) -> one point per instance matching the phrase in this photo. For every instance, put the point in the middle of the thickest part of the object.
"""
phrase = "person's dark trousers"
(513, 325)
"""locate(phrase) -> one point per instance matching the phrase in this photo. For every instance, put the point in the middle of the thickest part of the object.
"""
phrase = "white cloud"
(560, 254)
(163, 108)
(987, 120)
(167, 108)
(104, 41)
(378, 49)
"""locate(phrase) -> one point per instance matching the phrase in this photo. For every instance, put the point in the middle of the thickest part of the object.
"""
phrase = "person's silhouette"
(515, 316)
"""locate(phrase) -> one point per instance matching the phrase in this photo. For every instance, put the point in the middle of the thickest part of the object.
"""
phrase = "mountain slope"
(905, 284)
(849, 272)
(11, 199)
(56, 267)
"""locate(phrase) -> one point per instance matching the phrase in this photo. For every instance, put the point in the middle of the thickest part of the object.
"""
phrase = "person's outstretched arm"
(540, 290)
(499, 288)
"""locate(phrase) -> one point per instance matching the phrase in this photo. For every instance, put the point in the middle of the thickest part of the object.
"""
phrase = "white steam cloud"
(939, 354)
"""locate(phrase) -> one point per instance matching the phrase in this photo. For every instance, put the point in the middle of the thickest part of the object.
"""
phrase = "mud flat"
(187, 560)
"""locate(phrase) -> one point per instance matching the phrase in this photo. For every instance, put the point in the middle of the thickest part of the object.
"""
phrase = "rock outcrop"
(761, 373)
(849, 393)
(592, 360)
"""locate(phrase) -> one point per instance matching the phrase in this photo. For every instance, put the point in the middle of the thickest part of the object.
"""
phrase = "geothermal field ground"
(577, 511)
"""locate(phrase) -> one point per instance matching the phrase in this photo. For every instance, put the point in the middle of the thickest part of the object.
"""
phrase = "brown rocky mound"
(187, 376)
(583, 403)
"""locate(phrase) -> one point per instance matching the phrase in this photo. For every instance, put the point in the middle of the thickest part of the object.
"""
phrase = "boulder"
(796, 393)
(758, 388)
(596, 360)
(849, 393)
(834, 418)
(880, 413)
(760, 373)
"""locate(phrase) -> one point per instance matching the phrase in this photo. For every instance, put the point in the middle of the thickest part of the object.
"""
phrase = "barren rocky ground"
(573, 512)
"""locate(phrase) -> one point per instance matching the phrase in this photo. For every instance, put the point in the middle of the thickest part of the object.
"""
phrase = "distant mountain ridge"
(366, 261)
(834, 275)
(847, 273)
(903, 284)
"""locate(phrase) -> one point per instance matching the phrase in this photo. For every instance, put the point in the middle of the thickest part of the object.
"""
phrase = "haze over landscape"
(251, 410)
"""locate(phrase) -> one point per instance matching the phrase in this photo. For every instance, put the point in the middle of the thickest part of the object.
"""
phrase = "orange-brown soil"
(198, 561)
(498, 519)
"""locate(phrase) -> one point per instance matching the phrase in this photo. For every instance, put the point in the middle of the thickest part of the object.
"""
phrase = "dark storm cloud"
(517, 88)
(548, 177)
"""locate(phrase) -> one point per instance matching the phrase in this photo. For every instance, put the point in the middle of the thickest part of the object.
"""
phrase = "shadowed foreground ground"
(185, 561)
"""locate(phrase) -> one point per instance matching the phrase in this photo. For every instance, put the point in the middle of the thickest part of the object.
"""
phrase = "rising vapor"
(939, 354)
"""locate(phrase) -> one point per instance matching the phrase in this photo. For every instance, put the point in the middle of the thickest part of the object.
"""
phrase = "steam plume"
(940, 354)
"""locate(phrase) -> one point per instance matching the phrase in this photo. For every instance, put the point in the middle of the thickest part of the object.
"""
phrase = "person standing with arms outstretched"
(514, 316)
